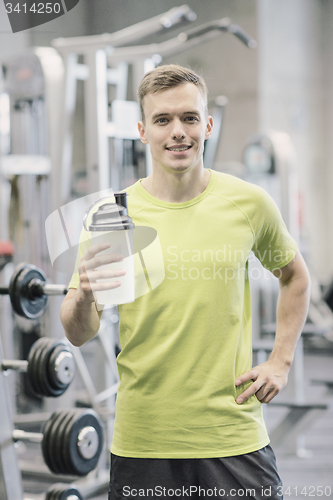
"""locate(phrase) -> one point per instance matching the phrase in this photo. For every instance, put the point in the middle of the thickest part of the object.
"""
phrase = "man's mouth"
(178, 148)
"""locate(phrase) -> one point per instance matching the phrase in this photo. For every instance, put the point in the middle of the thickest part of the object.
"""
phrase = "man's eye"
(191, 118)
(161, 120)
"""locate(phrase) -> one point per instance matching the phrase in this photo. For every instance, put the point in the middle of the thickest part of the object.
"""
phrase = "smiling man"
(189, 405)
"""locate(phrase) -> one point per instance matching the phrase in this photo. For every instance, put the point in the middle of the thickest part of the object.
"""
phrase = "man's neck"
(176, 187)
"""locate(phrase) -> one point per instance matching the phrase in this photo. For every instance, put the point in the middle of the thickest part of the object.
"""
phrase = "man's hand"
(89, 273)
(268, 378)
(78, 312)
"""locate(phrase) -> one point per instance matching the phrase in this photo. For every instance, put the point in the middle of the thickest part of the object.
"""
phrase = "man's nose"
(178, 131)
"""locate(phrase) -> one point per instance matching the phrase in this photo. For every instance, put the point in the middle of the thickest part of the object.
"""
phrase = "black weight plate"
(44, 357)
(46, 429)
(47, 441)
(57, 491)
(12, 285)
(60, 450)
(61, 491)
(58, 465)
(48, 438)
(54, 492)
(52, 376)
(33, 364)
(23, 304)
(66, 441)
(42, 376)
(80, 465)
(71, 489)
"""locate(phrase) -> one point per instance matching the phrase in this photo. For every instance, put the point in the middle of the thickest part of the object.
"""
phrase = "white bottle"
(112, 224)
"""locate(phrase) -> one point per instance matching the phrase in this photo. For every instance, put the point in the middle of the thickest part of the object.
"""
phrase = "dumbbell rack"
(10, 476)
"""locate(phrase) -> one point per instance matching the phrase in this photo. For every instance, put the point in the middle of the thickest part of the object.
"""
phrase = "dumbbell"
(28, 291)
(61, 491)
(50, 367)
(72, 441)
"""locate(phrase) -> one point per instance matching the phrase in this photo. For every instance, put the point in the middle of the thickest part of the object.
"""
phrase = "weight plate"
(12, 285)
(70, 490)
(57, 430)
(33, 364)
(66, 440)
(79, 464)
(60, 449)
(61, 491)
(56, 492)
(61, 367)
(41, 370)
(24, 304)
(47, 441)
(43, 374)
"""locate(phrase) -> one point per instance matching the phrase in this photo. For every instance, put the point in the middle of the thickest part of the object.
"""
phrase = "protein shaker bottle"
(111, 223)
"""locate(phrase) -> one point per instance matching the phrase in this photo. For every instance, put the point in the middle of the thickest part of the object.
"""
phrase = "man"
(189, 418)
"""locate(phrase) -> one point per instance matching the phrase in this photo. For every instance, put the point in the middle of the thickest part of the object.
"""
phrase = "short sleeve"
(273, 246)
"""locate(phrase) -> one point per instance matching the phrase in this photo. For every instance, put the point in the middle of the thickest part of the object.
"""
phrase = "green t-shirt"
(186, 341)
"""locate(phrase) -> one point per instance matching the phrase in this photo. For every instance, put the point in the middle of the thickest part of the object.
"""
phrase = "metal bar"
(82, 368)
(10, 483)
(172, 18)
(15, 364)
(110, 357)
(183, 41)
(96, 110)
(102, 396)
(23, 419)
(70, 83)
(211, 145)
(31, 437)
(297, 420)
(52, 289)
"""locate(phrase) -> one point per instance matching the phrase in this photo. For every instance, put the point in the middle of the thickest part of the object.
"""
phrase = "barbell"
(72, 441)
(61, 491)
(50, 367)
(28, 291)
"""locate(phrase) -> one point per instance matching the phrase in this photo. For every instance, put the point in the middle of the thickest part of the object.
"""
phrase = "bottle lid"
(111, 216)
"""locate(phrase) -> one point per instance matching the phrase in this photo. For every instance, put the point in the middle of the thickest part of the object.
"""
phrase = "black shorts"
(253, 475)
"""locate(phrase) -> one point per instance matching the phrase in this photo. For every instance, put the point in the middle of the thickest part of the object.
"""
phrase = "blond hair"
(168, 76)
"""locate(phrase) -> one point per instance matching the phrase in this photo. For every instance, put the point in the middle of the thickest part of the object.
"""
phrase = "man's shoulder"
(232, 187)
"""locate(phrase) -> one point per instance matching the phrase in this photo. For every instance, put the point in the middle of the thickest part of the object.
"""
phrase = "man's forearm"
(271, 377)
(291, 313)
(80, 320)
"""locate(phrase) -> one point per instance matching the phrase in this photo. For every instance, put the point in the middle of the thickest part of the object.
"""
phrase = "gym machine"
(271, 163)
(106, 63)
(71, 441)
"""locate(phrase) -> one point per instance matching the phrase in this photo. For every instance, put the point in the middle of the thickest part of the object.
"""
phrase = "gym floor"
(302, 477)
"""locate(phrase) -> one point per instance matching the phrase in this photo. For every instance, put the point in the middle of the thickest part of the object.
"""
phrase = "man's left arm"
(271, 377)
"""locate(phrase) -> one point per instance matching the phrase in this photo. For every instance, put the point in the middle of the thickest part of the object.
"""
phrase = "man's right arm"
(78, 312)
(80, 320)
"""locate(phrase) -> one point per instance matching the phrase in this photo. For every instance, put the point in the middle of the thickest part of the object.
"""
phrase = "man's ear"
(142, 133)
(209, 127)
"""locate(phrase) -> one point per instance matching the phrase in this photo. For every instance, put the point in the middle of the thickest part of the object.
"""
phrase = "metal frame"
(10, 476)
(106, 61)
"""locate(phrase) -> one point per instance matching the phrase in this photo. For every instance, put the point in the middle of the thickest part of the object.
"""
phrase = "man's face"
(176, 126)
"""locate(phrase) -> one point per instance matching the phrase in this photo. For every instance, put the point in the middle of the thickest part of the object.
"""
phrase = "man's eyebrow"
(159, 115)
